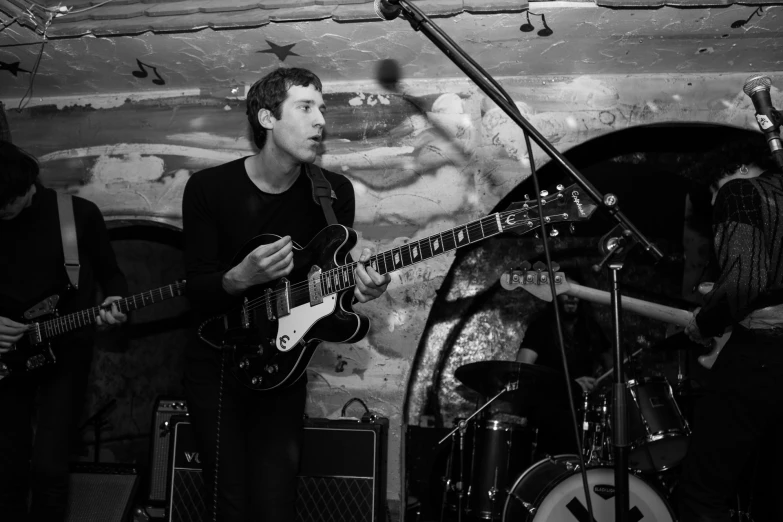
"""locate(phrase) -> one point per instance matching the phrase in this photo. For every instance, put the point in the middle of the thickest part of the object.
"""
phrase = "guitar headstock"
(535, 280)
(568, 204)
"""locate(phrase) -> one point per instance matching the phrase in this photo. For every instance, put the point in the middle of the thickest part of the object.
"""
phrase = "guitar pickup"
(282, 298)
(314, 282)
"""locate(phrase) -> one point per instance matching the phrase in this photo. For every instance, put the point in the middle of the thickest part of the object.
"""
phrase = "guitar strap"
(68, 233)
(322, 192)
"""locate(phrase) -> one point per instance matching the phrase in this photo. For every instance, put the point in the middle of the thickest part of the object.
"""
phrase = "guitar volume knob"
(272, 368)
(256, 380)
(244, 363)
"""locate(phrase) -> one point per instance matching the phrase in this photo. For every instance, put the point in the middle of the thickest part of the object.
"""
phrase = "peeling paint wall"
(425, 155)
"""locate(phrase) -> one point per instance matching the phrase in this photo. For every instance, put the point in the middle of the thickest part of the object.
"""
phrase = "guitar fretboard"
(342, 278)
(67, 323)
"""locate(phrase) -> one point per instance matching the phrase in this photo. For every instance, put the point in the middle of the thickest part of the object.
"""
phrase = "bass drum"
(551, 491)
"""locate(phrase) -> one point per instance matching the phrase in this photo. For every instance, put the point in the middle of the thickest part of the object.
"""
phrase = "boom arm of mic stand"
(420, 22)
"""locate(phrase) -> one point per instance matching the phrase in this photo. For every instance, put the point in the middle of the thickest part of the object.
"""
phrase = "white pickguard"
(294, 326)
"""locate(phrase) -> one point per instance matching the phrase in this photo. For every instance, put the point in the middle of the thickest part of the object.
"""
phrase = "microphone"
(387, 9)
(757, 87)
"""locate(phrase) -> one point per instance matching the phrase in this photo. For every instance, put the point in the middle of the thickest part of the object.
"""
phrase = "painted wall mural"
(426, 158)
(424, 150)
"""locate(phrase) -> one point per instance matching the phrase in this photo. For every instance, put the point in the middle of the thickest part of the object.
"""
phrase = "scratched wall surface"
(425, 153)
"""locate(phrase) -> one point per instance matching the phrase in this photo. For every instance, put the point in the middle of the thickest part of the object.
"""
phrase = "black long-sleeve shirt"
(748, 241)
(32, 260)
(222, 209)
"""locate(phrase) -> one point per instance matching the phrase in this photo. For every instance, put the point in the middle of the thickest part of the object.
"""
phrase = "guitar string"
(298, 289)
(65, 323)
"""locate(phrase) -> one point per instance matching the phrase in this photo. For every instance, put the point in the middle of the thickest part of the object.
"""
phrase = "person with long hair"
(40, 410)
(743, 399)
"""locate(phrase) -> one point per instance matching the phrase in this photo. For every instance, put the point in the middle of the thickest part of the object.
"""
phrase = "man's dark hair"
(270, 92)
(18, 171)
(729, 156)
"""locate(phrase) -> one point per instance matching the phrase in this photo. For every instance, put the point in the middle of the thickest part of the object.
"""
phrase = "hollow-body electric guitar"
(272, 336)
(536, 282)
(34, 349)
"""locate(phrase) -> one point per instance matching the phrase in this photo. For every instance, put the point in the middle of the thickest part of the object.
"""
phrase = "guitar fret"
(405, 254)
(461, 236)
(426, 248)
(475, 233)
(397, 257)
(491, 225)
(449, 242)
(436, 245)
(388, 260)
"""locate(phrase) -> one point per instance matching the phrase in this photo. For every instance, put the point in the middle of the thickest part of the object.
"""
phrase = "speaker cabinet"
(101, 492)
(160, 445)
(342, 473)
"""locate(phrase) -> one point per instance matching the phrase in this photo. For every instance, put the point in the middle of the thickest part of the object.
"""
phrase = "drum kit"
(495, 472)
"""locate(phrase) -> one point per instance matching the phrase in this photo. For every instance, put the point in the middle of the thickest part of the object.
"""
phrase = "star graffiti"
(281, 51)
(13, 68)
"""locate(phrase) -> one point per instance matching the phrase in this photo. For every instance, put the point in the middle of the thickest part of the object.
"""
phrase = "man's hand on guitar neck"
(10, 332)
(109, 315)
(264, 264)
(369, 283)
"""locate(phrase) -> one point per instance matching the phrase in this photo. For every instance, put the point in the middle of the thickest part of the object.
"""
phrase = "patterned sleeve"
(741, 252)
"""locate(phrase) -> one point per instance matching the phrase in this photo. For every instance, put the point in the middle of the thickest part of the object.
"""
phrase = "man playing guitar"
(249, 441)
(31, 268)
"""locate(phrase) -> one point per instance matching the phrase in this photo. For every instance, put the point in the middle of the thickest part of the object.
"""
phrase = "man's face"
(14, 208)
(569, 304)
(299, 131)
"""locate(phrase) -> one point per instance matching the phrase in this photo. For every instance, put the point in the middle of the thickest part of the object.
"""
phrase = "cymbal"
(489, 377)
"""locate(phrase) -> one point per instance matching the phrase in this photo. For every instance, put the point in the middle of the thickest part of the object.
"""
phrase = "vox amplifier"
(160, 445)
(342, 474)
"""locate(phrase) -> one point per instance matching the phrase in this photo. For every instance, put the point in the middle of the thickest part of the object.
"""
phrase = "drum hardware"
(552, 490)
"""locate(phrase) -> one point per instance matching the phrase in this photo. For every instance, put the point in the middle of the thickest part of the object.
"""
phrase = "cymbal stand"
(459, 432)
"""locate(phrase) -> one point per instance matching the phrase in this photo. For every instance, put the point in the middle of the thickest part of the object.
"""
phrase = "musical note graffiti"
(142, 72)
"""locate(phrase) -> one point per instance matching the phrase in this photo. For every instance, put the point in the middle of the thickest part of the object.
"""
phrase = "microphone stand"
(616, 243)
(420, 22)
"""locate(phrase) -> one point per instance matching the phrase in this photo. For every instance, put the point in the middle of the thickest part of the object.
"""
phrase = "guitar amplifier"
(101, 492)
(160, 445)
(342, 474)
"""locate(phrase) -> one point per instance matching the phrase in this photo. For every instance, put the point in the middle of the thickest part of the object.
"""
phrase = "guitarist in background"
(253, 439)
(587, 351)
(744, 397)
(31, 269)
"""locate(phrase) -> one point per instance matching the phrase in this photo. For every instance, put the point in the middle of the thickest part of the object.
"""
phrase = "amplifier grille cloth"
(332, 499)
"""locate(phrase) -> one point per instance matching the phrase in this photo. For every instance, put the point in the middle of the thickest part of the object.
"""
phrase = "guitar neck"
(663, 313)
(60, 325)
(420, 250)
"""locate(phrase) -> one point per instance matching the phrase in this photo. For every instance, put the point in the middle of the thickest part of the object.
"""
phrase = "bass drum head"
(564, 499)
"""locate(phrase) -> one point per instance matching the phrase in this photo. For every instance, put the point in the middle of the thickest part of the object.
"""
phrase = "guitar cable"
(217, 434)
(559, 326)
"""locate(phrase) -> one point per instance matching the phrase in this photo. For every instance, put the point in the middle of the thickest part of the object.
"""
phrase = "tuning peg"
(554, 232)
(527, 196)
(572, 228)
(560, 187)
(544, 193)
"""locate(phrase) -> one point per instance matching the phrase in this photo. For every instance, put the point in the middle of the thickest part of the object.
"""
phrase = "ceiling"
(125, 48)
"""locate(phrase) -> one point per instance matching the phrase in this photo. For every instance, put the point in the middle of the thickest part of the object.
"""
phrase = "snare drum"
(552, 491)
(501, 452)
(659, 432)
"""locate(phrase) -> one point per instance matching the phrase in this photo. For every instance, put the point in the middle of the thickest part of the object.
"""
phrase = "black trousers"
(34, 467)
(743, 402)
(255, 445)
